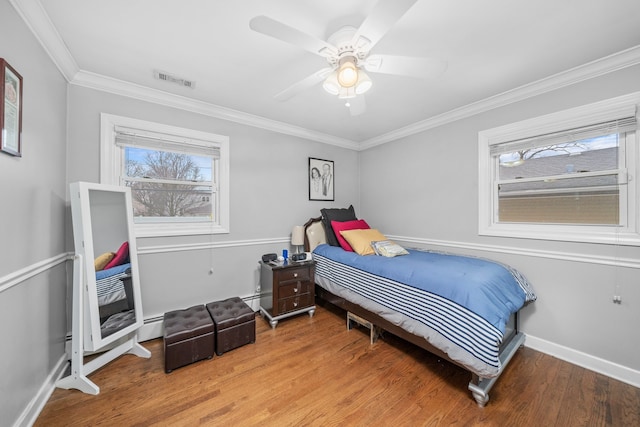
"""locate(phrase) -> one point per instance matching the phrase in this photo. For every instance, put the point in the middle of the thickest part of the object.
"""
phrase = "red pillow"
(121, 256)
(359, 224)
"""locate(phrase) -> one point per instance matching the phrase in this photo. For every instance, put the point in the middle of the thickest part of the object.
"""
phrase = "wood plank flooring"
(313, 371)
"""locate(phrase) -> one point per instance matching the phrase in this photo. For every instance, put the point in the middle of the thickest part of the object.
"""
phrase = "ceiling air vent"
(161, 75)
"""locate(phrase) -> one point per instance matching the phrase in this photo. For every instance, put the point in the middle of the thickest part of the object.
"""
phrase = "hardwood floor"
(313, 371)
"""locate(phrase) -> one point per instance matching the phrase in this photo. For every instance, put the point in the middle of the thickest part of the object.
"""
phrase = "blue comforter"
(491, 290)
(118, 269)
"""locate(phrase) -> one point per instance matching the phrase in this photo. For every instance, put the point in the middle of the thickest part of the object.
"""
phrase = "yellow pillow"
(360, 240)
(100, 262)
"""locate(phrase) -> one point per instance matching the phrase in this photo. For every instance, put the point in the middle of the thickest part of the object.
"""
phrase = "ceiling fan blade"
(405, 66)
(271, 27)
(357, 105)
(384, 15)
(303, 84)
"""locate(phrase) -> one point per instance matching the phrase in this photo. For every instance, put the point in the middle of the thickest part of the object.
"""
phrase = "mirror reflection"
(113, 273)
(114, 290)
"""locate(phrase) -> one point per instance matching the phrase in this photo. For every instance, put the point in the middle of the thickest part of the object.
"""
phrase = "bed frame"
(479, 387)
(125, 304)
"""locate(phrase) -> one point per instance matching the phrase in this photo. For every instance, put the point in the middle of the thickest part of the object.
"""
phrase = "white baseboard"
(587, 361)
(32, 411)
(152, 329)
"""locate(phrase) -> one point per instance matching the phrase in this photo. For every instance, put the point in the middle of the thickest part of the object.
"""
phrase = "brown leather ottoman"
(234, 322)
(188, 337)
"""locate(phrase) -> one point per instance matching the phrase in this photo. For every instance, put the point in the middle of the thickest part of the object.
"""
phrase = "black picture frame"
(10, 110)
(321, 175)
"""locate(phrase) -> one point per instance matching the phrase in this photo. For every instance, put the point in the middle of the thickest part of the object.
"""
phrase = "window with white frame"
(179, 178)
(565, 176)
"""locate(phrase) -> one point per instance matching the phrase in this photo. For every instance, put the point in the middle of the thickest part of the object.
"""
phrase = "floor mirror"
(107, 307)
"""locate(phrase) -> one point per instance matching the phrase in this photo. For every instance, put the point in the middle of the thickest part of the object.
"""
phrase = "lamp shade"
(297, 235)
(364, 83)
(331, 84)
(347, 73)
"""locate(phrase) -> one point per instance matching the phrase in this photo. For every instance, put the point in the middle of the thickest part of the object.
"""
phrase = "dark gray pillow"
(328, 215)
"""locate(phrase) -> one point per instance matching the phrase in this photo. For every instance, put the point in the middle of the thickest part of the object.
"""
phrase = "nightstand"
(286, 289)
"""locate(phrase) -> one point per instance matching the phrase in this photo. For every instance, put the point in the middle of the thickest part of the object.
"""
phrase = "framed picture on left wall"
(10, 110)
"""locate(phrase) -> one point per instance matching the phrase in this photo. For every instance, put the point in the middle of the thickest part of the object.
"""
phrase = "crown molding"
(39, 23)
(599, 67)
(34, 15)
(36, 18)
(143, 93)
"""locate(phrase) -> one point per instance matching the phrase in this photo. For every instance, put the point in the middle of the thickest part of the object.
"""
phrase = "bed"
(445, 320)
(113, 286)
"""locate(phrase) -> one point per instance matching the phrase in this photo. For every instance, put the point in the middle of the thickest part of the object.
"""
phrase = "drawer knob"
(295, 274)
(295, 304)
(295, 290)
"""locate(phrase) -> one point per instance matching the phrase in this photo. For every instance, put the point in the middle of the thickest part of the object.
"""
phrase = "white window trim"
(111, 158)
(555, 122)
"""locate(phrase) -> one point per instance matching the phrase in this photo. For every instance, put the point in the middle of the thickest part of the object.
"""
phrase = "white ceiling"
(492, 48)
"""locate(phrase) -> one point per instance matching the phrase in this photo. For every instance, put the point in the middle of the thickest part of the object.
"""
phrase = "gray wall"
(269, 195)
(32, 190)
(424, 188)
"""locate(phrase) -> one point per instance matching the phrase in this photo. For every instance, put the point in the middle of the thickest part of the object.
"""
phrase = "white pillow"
(388, 248)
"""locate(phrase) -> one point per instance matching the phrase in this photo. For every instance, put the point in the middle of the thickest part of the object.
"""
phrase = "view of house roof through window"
(573, 182)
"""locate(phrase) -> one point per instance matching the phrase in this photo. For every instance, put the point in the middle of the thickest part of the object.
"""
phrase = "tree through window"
(166, 184)
(179, 178)
(569, 175)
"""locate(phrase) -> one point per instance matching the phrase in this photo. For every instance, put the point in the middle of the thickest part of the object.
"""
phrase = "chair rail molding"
(32, 270)
(511, 250)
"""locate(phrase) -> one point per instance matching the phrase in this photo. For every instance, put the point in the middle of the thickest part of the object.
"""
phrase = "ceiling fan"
(347, 52)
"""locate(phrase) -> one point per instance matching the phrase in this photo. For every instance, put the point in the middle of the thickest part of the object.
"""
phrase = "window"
(179, 178)
(565, 176)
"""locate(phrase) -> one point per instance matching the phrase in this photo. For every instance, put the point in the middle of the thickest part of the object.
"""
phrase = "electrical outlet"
(617, 299)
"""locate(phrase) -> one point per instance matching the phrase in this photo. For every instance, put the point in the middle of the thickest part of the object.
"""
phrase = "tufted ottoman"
(234, 322)
(188, 337)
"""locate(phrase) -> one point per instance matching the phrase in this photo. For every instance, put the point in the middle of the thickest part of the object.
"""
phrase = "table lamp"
(297, 237)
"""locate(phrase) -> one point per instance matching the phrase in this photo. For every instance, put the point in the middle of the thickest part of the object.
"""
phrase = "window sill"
(184, 229)
(564, 233)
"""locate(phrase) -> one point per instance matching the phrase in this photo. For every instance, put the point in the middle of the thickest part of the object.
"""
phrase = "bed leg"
(479, 393)
(480, 387)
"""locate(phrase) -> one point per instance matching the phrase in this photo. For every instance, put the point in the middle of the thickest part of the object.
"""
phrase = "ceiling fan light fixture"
(331, 84)
(364, 82)
(347, 72)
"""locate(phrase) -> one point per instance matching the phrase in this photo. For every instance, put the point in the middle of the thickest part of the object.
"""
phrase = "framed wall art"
(10, 110)
(321, 178)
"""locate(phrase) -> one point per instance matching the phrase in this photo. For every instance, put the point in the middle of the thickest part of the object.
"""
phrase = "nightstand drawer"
(286, 289)
(298, 273)
(294, 288)
(294, 303)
